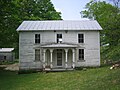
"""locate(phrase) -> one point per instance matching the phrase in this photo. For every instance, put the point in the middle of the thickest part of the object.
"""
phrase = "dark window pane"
(80, 38)
(59, 36)
(57, 40)
(4, 57)
(37, 38)
(38, 35)
(81, 54)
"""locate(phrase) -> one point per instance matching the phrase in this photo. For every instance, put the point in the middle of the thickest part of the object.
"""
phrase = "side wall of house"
(27, 52)
(91, 48)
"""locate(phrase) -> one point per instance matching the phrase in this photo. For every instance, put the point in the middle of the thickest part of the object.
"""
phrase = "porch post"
(66, 57)
(51, 57)
(44, 58)
(73, 57)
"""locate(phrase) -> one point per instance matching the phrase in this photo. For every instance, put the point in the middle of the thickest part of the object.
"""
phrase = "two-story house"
(59, 44)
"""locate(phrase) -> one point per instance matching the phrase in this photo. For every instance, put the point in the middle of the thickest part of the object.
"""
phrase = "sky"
(70, 9)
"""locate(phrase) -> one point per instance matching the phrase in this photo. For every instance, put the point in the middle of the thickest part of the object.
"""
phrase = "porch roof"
(59, 45)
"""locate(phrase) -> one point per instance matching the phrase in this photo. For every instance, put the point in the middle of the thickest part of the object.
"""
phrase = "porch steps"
(58, 69)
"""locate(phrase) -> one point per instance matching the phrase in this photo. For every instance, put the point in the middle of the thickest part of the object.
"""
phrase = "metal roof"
(6, 49)
(59, 25)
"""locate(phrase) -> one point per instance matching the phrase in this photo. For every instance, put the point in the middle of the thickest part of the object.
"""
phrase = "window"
(37, 54)
(37, 38)
(4, 57)
(59, 36)
(81, 54)
(80, 38)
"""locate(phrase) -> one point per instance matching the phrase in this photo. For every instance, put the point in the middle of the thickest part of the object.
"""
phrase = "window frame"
(37, 55)
(81, 38)
(37, 38)
(81, 54)
(58, 37)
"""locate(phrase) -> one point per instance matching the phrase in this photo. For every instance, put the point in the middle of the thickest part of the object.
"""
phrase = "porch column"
(66, 58)
(51, 57)
(44, 58)
(73, 57)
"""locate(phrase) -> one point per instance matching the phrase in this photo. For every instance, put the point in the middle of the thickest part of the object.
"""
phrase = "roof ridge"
(57, 20)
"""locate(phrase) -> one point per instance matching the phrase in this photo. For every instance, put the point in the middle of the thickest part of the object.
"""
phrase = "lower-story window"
(37, 54)
(81, 54)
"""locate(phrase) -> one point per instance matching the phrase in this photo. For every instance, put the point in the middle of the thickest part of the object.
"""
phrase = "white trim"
(73, 58)
(51, 58)
(66, 58)
(44, 63)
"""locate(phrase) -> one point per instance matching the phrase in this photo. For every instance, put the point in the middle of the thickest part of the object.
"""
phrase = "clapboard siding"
(27, 50)
(10, 56)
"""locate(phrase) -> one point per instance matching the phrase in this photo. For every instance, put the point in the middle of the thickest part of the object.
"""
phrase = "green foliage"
(8, 62)
(13, 12)
(92, 79)
(109, 18)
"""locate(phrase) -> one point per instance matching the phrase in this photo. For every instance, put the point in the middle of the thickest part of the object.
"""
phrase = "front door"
(59, 57)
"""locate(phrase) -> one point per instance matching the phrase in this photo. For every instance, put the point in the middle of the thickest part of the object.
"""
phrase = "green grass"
(92, 79)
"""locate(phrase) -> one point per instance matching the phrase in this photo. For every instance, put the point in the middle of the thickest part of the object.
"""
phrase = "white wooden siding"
(27, 47)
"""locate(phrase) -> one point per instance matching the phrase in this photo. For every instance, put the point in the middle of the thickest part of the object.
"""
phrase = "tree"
(13, 12)
(109, 18)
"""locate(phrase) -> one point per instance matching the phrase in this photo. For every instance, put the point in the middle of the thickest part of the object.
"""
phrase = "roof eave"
(63, 30)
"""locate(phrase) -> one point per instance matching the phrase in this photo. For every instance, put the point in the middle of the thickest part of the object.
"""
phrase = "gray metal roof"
(59, 25)
(6, 49)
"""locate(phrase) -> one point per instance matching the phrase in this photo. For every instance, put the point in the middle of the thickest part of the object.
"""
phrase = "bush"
(7, 62)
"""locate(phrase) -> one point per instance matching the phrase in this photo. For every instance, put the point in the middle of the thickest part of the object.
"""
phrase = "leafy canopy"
(13, 12)
(109, 18)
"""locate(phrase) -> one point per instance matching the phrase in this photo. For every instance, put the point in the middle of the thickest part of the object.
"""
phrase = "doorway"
(59, 57)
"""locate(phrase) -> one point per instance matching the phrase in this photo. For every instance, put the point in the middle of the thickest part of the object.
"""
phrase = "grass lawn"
(92, 79)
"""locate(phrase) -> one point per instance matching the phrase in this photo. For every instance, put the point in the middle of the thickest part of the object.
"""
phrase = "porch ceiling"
(60, 45)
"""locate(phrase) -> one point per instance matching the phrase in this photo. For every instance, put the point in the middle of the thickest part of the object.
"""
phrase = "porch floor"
(58, 69)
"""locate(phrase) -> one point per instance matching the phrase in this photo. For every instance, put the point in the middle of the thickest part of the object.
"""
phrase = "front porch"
(58, 58)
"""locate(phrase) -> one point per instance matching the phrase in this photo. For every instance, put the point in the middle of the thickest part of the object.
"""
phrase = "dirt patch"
(11, 67)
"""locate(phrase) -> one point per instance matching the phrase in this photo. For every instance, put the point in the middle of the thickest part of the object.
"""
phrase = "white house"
(59, 44)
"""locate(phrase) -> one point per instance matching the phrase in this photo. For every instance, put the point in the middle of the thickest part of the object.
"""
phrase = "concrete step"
(58, 69)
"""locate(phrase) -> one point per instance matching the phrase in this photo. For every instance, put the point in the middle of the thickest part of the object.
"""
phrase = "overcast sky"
(70, 9)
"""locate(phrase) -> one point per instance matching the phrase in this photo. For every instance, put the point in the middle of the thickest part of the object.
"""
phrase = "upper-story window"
(59, 38)
(80, 38)
(37, 38)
